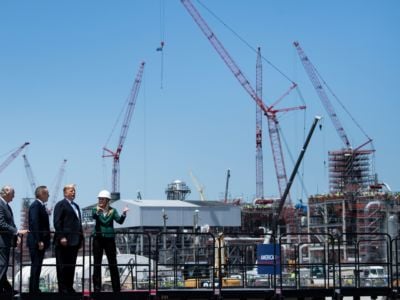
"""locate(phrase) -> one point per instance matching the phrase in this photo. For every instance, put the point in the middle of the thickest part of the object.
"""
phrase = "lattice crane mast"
(319, 88)
(12, 157)
(29, 174)
(57, 186)
(124, 130)
(199, 187)
(270, 112)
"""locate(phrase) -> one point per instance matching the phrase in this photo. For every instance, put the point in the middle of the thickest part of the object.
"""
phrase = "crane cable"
(304, 190)
(144, 187)
(342, 105)
(245, 42)
(117, 121)
(162, 41)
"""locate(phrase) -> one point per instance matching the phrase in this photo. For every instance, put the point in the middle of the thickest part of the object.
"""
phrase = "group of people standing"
(68, 238)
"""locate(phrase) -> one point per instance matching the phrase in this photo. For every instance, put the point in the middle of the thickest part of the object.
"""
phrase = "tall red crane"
(124, 130)
(12, 157)
(259, 153)
(270, 112)
(29, 174)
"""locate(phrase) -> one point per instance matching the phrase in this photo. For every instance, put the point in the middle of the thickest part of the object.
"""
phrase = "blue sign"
(268, 259)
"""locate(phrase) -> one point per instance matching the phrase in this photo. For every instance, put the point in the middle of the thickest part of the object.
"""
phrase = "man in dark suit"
(8, 236)
(39, 235)
(68, 238)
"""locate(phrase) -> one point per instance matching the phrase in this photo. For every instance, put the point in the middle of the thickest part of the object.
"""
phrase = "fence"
(175, 265)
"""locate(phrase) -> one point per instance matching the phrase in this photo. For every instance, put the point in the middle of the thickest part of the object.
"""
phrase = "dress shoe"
(8, 294)
(11, 292)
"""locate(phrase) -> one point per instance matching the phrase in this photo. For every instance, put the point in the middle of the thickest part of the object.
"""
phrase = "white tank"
(393, 226)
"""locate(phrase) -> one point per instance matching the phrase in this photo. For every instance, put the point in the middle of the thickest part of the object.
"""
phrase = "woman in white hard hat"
(104, 239)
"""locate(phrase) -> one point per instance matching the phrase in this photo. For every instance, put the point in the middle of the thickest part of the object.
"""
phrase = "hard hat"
(104, 194)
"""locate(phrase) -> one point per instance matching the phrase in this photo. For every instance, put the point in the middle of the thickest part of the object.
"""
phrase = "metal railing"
(157, 263)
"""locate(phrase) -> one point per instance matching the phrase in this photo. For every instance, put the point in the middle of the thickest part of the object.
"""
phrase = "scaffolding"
(369, 212)
(349, 170)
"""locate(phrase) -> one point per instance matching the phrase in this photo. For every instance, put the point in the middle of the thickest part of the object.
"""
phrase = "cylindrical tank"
(178, 190)
(393, 226)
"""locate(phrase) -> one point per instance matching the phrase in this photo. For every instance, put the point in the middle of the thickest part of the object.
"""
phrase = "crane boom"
(124, 130)
(199, 187)
(278, 212)
(228, 176)
(313, 75)
(29, 174)
(12, 157)
(270, 114)
(131, 106)
(223, 53)
(57, 185)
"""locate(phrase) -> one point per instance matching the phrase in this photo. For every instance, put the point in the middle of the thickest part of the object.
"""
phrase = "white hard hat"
(104, 194)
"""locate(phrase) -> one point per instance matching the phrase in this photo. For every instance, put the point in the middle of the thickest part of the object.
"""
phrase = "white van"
(374, 276)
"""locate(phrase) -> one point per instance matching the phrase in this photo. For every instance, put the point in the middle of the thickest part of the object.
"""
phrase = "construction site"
(328, 245)
(356, 201)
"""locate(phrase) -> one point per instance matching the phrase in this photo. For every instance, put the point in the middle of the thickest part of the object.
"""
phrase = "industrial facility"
(328, 243)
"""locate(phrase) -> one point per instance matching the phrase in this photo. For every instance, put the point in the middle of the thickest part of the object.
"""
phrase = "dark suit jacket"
(67, 224)
(8, 229)
(39, 227)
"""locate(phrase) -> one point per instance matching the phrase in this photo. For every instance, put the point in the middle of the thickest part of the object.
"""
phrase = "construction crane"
(29, 174)
(319, 88)
(279, 210)
(12, 157)
(57, 186)
(199, 187)
(124, 130)
(270, 112)
(259, 153)
(228, 176)
(349, 168)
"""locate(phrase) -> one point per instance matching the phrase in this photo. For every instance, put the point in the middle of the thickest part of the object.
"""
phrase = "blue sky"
(66, 69)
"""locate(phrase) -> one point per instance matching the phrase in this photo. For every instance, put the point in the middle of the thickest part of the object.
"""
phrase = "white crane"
(199, 187)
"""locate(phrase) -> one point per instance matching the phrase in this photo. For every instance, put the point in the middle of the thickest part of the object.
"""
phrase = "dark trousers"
(66, 261)
(36, 267)
(108, 245)
(4, 258)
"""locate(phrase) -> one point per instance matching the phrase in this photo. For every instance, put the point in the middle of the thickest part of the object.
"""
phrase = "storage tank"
(177, 190)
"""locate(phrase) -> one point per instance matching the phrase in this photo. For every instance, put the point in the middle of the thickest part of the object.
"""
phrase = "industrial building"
(178, 214)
